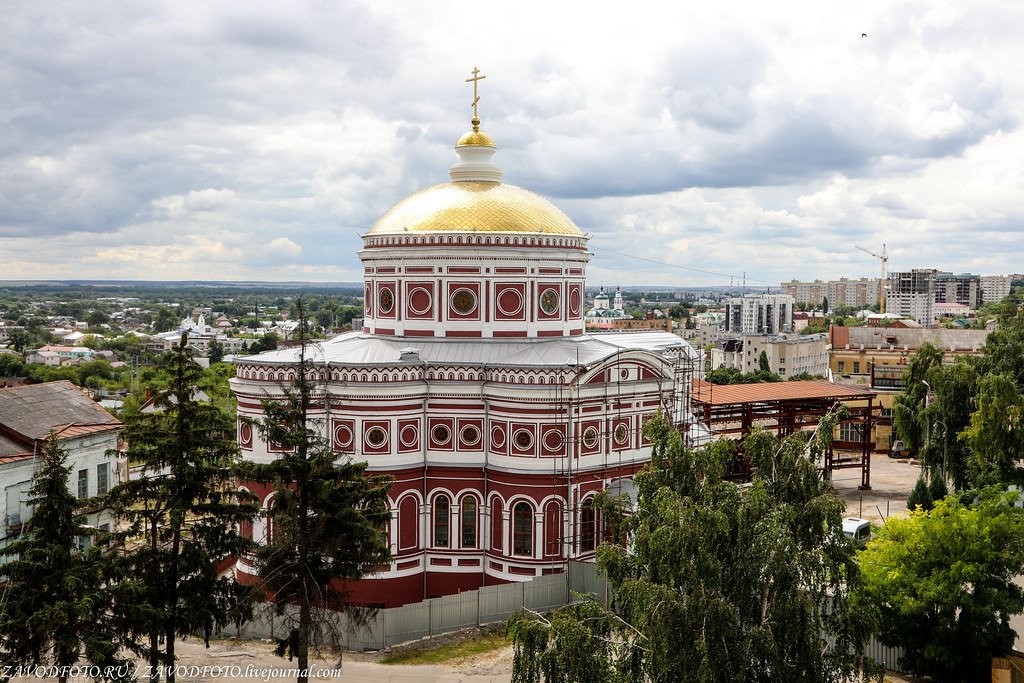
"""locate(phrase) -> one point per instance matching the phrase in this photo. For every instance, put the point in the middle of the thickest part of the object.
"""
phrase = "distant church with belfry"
(473, 383)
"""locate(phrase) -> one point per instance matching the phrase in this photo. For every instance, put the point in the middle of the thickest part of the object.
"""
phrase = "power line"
(674, 265)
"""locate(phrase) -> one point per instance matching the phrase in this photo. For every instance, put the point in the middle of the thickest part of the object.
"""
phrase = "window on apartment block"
(856, 367)
(841, 367)
(83, 484)
(102, 481)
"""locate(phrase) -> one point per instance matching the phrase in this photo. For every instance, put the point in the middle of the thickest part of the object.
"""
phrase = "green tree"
(762, 362)
(719, 582)
(165, 320)
(328, 516)
(948, 413)
(19, 340)
(824, 305)
(995, 434)
(267, 342)
(937, 487)
(921, 495)
(908, 407)
(185, 507)
(11, 365)
(1004, 346)
(804, 376)
(216, 352)
(724, 375)
(56, 602)
(91, 341)
(942, 583)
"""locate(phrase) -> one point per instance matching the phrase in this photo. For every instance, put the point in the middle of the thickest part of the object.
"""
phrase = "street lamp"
(928, 429)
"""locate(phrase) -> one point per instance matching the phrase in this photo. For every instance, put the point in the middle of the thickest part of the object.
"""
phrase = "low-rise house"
(73, 338)
(787, 354)
(875, 357)
(29, 415)
(66, 352)
(40, 357)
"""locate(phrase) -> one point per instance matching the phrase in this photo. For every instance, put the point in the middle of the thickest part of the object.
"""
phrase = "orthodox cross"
(474, 80)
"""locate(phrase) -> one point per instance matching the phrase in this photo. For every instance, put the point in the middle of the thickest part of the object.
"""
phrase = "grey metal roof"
(11, 447)
(34, 410)
(358, 348)
(915, 337)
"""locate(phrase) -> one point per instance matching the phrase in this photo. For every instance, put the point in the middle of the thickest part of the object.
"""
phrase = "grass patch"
(449, 651)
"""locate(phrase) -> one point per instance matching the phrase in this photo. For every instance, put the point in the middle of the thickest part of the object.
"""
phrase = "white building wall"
(84, 453)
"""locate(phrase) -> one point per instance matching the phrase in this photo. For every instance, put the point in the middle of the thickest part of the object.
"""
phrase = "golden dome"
(475, 138)
(475, 206)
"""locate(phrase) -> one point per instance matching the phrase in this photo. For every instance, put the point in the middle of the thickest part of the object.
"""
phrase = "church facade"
(473, 384)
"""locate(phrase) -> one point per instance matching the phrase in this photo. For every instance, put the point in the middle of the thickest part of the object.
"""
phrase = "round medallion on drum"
(549, 301)
(420, 301)
(385, 300)
(464, 301)
(510, 302)
(574, 301)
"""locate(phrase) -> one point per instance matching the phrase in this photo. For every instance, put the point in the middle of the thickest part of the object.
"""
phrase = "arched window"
(588, 526)
(408, 523)
(468, 513)
(442, 513)
(552, 529)
(522, 529)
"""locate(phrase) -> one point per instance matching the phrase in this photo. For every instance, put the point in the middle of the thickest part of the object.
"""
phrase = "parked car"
(858, 530)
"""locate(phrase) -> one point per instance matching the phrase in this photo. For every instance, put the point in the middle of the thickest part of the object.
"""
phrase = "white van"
(858, 530)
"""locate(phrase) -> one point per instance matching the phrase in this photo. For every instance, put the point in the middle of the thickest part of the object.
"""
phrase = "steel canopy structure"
(734, 410)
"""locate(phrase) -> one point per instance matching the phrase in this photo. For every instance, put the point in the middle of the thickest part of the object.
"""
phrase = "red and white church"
(473, 384)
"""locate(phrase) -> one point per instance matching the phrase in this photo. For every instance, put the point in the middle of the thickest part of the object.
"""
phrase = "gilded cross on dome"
(476, 98)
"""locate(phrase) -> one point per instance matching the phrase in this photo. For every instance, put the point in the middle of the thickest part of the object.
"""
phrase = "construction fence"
(378, 629)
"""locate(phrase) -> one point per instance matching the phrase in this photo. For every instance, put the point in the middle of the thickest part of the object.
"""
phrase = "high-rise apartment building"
(912, 294)
(964, 289)
(806, 292)
(858, 293)
(995, 288)
(759, 314)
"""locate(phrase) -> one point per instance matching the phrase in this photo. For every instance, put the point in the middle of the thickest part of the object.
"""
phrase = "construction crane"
(884, 258)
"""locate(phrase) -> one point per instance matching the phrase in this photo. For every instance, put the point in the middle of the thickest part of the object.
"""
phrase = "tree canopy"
(185, 508)
(966, 419)
(711, 581)
(56, 603)
(941, 582)
(327, 518)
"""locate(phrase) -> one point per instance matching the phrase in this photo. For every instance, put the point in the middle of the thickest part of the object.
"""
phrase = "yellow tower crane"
(884, 258)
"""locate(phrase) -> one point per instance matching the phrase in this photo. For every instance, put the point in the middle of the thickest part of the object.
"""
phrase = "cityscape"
(501, 371)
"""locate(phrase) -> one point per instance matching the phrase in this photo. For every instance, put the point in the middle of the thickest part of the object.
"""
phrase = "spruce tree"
(56, 603)
(920, 495)
(326, 518)
(180, 517)
(937, 487)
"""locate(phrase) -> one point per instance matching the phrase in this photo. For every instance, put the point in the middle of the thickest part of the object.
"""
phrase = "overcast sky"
(252, 140)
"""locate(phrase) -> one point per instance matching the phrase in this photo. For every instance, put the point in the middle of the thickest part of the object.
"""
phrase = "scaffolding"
(734, 410)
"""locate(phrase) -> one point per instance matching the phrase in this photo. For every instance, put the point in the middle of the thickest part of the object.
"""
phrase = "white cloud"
(218, 141)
